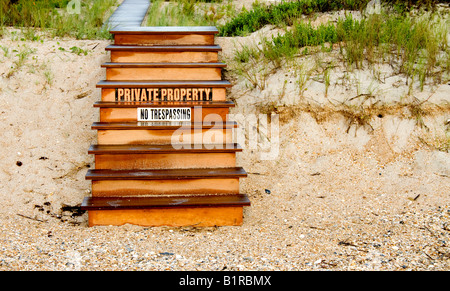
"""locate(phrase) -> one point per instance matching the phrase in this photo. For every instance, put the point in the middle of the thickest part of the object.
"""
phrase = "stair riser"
(166, 39)
(153, 136)
(163, 57)
(164, 74)
(164, 161)
(120, 188)
(131, 114)
(218, 94)
(175, 217)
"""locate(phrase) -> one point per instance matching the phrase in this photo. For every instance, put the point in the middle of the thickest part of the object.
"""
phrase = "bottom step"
(210, 210)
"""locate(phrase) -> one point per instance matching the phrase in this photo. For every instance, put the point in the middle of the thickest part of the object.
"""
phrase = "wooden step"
(164, 71)
(207, 210)
(134, 111)
(164, 132)
(164, 156)
(164, 54)
(165, 182)
(123, 90)
(165, 35)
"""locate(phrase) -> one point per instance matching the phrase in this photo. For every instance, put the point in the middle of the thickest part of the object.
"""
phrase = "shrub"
(284, 13)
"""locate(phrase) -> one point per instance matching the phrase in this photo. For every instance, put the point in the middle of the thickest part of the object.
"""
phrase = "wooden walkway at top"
(130, 13)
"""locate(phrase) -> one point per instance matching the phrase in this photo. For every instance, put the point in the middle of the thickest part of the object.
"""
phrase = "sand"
(329, 197)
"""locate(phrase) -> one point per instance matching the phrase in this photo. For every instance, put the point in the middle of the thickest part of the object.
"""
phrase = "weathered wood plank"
(173, 186)
(108, 203)
(174, 217)
(174, 160)
(95, 174)
(162, 148)
(166, 30)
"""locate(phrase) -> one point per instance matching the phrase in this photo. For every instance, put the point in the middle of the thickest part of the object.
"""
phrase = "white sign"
(163, 114)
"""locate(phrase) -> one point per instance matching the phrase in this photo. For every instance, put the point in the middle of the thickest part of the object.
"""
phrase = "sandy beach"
(336, 195)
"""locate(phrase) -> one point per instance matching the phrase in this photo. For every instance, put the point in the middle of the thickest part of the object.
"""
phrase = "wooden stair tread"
(166, 30)
(161, 148)
(164, 48)
(163, 125)
(163, 65)
(165, 174)
(114, 203)
(162, 84)
(111, 104)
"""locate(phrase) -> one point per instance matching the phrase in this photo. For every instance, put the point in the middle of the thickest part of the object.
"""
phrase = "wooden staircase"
(164, 152)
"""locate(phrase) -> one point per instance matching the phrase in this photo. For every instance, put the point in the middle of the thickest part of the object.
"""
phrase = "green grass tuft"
(52, 16)
(415, 46)
(188, 13)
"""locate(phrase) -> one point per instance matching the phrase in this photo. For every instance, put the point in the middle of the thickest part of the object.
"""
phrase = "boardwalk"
(130, 13)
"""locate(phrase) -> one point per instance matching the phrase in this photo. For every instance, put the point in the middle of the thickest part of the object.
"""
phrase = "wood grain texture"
(165, 39)
(123, 188)
(165, 182)
(162, 84)
(164, 71)
(204, 210)
(208, 132)
(235, 172)
(168, 57)
(165, 161)
(180, 135)
(167, 54)
(113, 203)
(165, 48)
(164, 148)
(161, 73)
(165, 30)
(174, 217)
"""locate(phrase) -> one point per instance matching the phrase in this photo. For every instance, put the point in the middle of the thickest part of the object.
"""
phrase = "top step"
(166, 30)
(165, 35)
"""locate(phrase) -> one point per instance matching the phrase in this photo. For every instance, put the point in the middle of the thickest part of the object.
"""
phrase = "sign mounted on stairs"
(163, 114)
(162, 81)
(163, 94)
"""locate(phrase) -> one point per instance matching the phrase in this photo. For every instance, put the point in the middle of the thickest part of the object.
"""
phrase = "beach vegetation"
(189, 12)
(53, 16)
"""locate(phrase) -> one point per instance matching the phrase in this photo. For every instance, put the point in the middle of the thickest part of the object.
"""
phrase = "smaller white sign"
(163, 114)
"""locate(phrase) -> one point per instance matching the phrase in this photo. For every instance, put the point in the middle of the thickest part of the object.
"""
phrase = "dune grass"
(189, 12)
(286, 13)
(282, 14)
(52, 16)
(416, 46)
